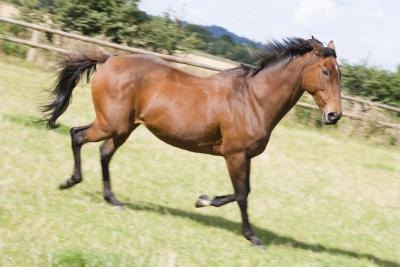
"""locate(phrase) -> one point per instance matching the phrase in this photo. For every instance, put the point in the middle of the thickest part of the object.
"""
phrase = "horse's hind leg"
(107, 150)
(79, 136)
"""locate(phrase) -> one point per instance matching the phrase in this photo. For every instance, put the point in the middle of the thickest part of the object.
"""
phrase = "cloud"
(313, 14)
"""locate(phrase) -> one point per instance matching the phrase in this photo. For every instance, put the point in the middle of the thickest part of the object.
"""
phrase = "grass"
(319, 198)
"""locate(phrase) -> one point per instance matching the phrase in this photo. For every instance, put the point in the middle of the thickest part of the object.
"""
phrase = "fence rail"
(370, 103)
(168, 58)
(109, 44)
(32, 44)
(352, 116)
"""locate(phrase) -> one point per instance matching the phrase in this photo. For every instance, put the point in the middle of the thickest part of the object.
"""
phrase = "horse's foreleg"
(107, 150)
(217, 201)
(80, 136)
(239, 171)
(204, 200)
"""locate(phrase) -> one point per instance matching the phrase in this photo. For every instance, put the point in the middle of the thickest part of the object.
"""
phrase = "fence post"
(30, 55)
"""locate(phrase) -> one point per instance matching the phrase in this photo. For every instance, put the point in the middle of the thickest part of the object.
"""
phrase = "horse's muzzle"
(332, 118)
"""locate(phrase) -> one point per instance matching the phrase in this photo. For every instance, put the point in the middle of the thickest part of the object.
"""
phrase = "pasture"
(319, 198)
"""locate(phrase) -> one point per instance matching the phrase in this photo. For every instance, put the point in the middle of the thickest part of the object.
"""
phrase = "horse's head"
(322, 80)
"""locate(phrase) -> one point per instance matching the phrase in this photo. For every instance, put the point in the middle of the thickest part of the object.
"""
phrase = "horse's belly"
(182, 118)
(190, 138)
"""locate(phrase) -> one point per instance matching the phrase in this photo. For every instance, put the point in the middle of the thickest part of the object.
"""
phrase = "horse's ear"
(331, 45)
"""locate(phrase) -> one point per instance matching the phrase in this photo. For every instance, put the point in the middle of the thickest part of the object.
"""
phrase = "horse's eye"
(325, 72)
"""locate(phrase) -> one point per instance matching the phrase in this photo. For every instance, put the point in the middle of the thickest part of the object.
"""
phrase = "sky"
(362, 30)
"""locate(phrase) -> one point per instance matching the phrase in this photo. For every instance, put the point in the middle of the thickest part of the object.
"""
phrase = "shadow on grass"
(34, 122)
(268, 237)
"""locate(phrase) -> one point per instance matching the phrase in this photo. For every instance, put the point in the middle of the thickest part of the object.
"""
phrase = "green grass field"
(319, 198)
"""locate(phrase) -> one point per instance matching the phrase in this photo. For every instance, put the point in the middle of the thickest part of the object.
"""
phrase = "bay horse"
(229, 114)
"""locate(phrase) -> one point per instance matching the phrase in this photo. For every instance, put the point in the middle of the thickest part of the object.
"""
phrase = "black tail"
(72, 69)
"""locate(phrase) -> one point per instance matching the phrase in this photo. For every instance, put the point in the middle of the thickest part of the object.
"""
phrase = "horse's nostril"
(332, 116)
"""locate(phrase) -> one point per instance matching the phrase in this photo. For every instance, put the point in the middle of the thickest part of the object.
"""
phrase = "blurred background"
(322, 196)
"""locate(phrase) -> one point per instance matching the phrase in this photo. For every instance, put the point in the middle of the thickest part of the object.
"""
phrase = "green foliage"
(308, 117)
(122, 22)
(223, 46)
(163, 34)
(10, 48)
(34, 10)
(241, 53)
(192, 41)
(371, 82)
(202, 33)
(220, 47)
(14, 30)
(87, 17)
(117, 19)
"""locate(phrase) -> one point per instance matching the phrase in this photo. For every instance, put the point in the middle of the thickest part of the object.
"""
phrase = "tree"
(371, 82)
(164, 34)
(202, 34)
(241, 53)
(220, 47)
(116, 19)
(227, 38)
(34, 10)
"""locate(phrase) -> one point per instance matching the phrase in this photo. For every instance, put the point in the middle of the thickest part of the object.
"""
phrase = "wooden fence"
(172, 59)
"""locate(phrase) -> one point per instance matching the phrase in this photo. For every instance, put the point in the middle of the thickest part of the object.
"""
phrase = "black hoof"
(255, 241)
(113, 201)
(69, 183)
(202, 201)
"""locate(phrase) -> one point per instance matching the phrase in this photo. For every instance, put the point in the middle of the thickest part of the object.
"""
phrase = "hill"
(218, 31)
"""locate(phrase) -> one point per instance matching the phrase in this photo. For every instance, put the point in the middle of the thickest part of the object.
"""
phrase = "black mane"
(275, 51)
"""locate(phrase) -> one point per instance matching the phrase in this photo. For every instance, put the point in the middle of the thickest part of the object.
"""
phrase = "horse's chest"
(253, 142)
(257, 145)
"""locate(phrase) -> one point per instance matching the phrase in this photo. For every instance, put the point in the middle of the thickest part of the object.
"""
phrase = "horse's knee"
(123, 130)
(240, 197)
(73, 131)
(77, 136)
(106, 151)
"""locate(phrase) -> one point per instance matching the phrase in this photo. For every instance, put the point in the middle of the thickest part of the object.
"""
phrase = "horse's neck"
(278, 88)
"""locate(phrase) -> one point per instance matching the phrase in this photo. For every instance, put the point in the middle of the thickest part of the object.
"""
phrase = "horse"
(230, 114)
